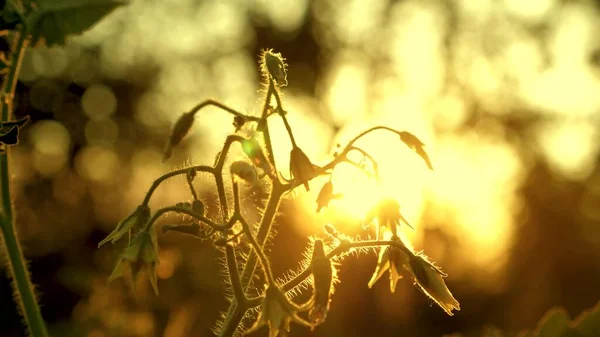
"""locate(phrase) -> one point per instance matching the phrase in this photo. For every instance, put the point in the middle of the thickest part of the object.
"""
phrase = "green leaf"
(9, 18)
(588, 323)
(555, 323)
(57, 19)
(133, 221)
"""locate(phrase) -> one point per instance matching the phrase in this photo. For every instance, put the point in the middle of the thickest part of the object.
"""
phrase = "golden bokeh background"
(505, 95)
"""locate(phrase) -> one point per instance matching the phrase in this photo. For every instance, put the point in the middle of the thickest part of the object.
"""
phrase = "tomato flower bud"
(142, 252)
(301, 169)
(273, 65)
(244, 171)
(394, 260)
(277, 312)
(238, 122)
(388, 214)
(429, 279)
(322, 270)
(181, 128)
(326, 195)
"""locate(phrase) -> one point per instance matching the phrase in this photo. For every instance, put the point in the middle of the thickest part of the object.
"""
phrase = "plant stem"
(259, 252)
(23, 288)
(187, 211)
(236, 311)
(159, 180)
(236, 284)
(265, 114)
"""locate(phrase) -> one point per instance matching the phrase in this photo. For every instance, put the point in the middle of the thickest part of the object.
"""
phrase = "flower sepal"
(394, 260)
(388, 214)
(141, 253)
(133, 221)
(430, 279)
(277, 312)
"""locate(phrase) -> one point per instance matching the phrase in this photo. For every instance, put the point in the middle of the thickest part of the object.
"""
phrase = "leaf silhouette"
(416, 145)
(56, 19)
(10, 137)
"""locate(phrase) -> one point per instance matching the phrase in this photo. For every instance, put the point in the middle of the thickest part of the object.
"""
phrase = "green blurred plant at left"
(27, 23)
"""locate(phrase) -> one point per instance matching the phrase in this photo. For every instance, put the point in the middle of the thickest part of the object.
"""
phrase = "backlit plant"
(231, 231)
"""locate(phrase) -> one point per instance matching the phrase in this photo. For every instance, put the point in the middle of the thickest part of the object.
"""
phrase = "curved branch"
(224, 107)
(159, 180)
(199, 217)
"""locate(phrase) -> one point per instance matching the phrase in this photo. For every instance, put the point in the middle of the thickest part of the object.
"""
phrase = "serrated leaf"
(587, 324)
(416, 145)
(555, 323)
(57, 19)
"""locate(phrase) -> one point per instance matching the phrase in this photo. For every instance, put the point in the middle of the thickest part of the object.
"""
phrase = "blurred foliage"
(557, 323)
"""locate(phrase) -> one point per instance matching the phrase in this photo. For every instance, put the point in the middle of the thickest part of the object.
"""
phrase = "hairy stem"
(289, 130)
(259, 252)
(341, 249)
(236, 284)
(265, 130)
(24, 291)
(158, 181)
(187, 211)
(236, 312)
(223, 107)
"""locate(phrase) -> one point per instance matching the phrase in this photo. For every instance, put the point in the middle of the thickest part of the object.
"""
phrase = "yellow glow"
(97, 164)
(99, 102)
(286, 16)
(51, 142)
(403, 176)
(532, 11)
(474, 186)
(310, 131)
(346, 96)
(574, 34)
(566, 90)
(569, 147)
(415, 45)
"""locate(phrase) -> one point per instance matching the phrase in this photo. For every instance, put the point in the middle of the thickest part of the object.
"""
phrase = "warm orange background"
(505, 95)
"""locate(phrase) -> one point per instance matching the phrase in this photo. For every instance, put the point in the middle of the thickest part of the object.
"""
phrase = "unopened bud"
(238, 122)
(181, 128)
(322, 270)
(301, 168)
(325, 196)
(244, 171)
(329, 229)
(272, 64)
(198, 207)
